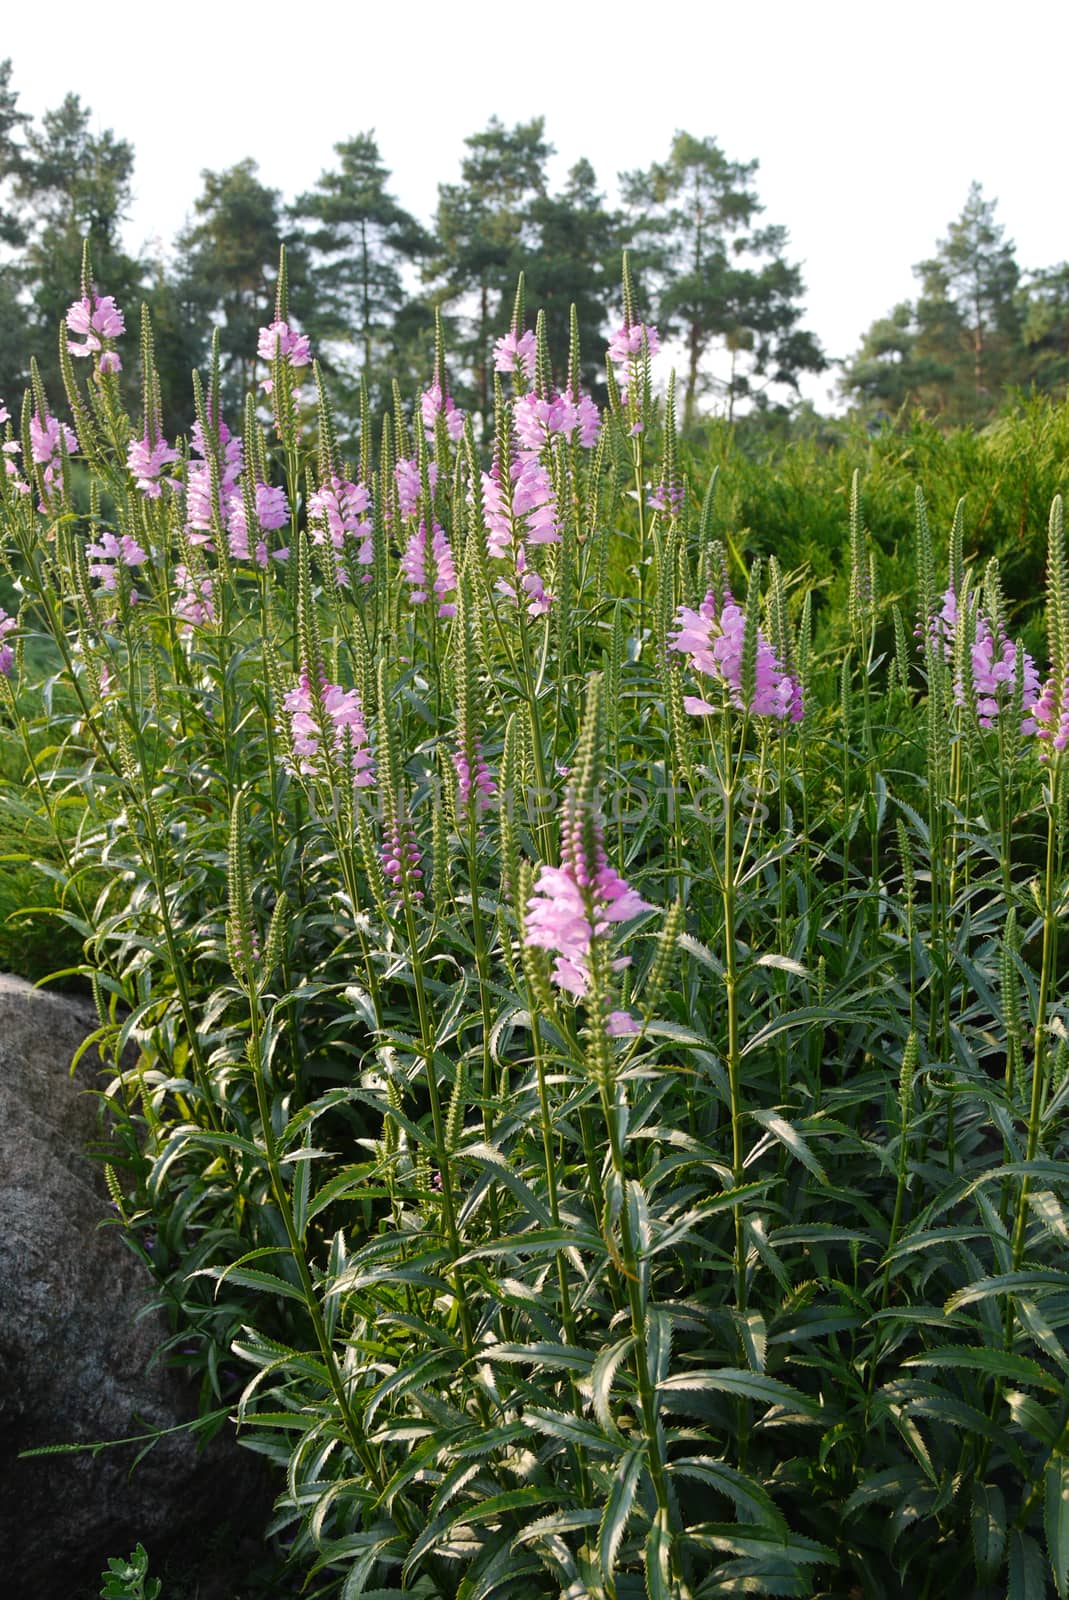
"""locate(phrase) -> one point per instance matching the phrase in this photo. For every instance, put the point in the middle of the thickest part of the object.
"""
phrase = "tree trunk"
(366, 288)
(693, 357)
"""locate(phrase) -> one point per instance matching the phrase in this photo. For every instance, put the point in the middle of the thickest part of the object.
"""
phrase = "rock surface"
(74, 1358)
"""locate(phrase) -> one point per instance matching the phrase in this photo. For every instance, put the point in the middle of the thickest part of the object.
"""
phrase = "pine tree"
(717, 278)
(359, 242)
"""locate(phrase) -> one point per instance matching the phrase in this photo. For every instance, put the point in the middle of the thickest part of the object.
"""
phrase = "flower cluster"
(7, 655)
(334, 716)
(271, 504)
(667, 496)
(1051, 713)
(528, 587)
(537, 420)
(195, 600)
(280, 340)
(199, 518)
(520, 501)
(577, 902)
(409, 485)
(632, 342)
(146, 459)
(994, 666)
(9, 449)
(524, 512)
(109, 554)
(50, 439)
(96, 319)
(431, 404)
(337, 511)
(712, 638)
(442, 577)
(474, 781)
(516, 353)
(401, 858)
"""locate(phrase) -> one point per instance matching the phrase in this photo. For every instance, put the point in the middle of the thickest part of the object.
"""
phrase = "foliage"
(720, 279)
(975, 329)
(361, 241)
(602, 1092)
(129, 1580)
(788, 498)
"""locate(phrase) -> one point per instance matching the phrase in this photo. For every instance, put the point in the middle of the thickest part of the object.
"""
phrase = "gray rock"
(75, 1357)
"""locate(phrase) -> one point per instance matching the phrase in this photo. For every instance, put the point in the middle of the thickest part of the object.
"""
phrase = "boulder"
(75, 1349)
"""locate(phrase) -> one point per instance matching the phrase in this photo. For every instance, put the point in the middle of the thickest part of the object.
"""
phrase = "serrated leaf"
(1027, 1578)
(988, 1524)
(658, 1559)
(1056, 1519)
(792, 1140)
(602, 1376)
(981, 1358)
(732, 1380)
(1031, 1282)
(571, 1429)
(263, 1282)
(749, 1499)
(617, 1511)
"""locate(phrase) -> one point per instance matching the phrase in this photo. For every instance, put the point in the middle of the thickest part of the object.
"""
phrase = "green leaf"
(1032, 1282)
(659, 1560)
(618, 1508)
(792, 1140)
(988, 1523)
(996, 1363)
(1056, 1519)
(1027, 1578)
(571, 1429)
(602, 1377)
(263, 1282)
(749, 1499)
(731, 1380)
(494, 1162)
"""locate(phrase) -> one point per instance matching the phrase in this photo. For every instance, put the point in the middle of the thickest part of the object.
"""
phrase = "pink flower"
(48, 437)
(414, 567)
(336, 513)
(474, 782)
(7, 655)
(620, 1023)
(194, 604)
(9, 448)
(146, 461)
(431, 404)
(994, 666)
(525, 511)
(199, 486)
(630, 343)
(401, 858)
(45, 433)
(588, 417)
(340, 721)
(1051, 713)
(531, 587)
(109, 553)
(516, 353)
(409, 488)
(712, 639)
(96, 320)
(110, 361)
(272, 507)
(281, 340)
(578, 901)
(667, 496)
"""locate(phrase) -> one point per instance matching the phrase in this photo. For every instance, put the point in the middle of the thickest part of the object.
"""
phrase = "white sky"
(869, 121)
